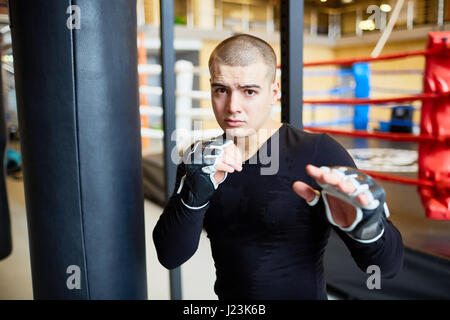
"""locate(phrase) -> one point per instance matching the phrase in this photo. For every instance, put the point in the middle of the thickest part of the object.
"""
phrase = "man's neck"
(250, 145)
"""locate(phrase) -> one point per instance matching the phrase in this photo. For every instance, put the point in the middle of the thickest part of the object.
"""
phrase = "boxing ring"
(408, 155)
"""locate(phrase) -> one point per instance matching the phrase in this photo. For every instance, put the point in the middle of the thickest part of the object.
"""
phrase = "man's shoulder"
(295, 135)
(308, 144)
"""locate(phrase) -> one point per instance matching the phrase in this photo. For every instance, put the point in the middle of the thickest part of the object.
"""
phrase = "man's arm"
(386, 252)
(177, 232)
(205, 165)
(358, 220)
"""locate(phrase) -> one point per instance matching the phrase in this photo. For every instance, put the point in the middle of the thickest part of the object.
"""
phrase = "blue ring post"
(361, 74)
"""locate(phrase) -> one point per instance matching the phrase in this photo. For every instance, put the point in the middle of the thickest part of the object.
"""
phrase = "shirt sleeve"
(177, 232)
(386, 252)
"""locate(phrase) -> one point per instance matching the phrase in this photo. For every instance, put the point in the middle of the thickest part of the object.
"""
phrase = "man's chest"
(249, 199)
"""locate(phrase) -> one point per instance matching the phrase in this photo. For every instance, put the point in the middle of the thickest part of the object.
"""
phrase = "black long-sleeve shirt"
(266, 241)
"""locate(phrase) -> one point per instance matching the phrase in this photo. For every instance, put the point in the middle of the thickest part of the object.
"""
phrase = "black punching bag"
(5, 224)
(76, 79)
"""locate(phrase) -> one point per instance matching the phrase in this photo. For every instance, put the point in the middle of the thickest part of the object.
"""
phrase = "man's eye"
(221, 90)
(250, 92)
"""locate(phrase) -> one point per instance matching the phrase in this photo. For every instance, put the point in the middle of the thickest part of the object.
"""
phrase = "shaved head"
(243, 50)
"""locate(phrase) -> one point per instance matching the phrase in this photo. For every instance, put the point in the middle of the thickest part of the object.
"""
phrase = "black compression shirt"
(266, 241)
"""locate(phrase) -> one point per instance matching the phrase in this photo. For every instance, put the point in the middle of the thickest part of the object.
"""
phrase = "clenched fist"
(207, 165)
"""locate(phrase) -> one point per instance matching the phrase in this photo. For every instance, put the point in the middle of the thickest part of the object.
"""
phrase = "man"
(268, 231)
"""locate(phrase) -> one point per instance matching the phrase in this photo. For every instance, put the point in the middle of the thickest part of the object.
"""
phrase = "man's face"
(242, 97)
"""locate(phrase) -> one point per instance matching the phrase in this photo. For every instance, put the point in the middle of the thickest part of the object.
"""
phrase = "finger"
(236, 152)
(304, 190)
(231, 158)
(331, 179)
(224, 167)
(363, 199)
(346, 187)
(239, 155)
(322, 177)
(314, 171)
(232, 163)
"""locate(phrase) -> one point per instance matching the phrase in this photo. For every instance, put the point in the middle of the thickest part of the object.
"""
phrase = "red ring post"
(434, 156)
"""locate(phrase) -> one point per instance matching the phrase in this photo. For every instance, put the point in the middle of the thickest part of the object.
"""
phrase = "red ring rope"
(370, 59)
(433, 51)
(400, 179)
(380, 135)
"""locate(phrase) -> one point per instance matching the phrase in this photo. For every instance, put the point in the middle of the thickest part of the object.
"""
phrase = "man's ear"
(275, 91)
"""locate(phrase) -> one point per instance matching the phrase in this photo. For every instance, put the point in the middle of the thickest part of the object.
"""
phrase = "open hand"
(343, 213)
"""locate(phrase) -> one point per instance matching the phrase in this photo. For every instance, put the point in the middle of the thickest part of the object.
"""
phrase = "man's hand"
(207, 164)
(351, 198)
(229, 161)
(343, 213)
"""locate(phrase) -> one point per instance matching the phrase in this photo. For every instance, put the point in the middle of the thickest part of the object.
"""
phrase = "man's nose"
(234, 103)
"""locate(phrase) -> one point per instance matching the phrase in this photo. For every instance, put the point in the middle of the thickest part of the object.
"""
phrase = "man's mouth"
(234, 123)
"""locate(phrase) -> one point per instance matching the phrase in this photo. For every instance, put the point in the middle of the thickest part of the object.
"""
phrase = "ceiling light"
(323, 0)
(385, 7)
(346, 1)
(367, 25)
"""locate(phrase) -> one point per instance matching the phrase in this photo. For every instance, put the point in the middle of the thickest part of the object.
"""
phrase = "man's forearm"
(177, 233)
(386, 252)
